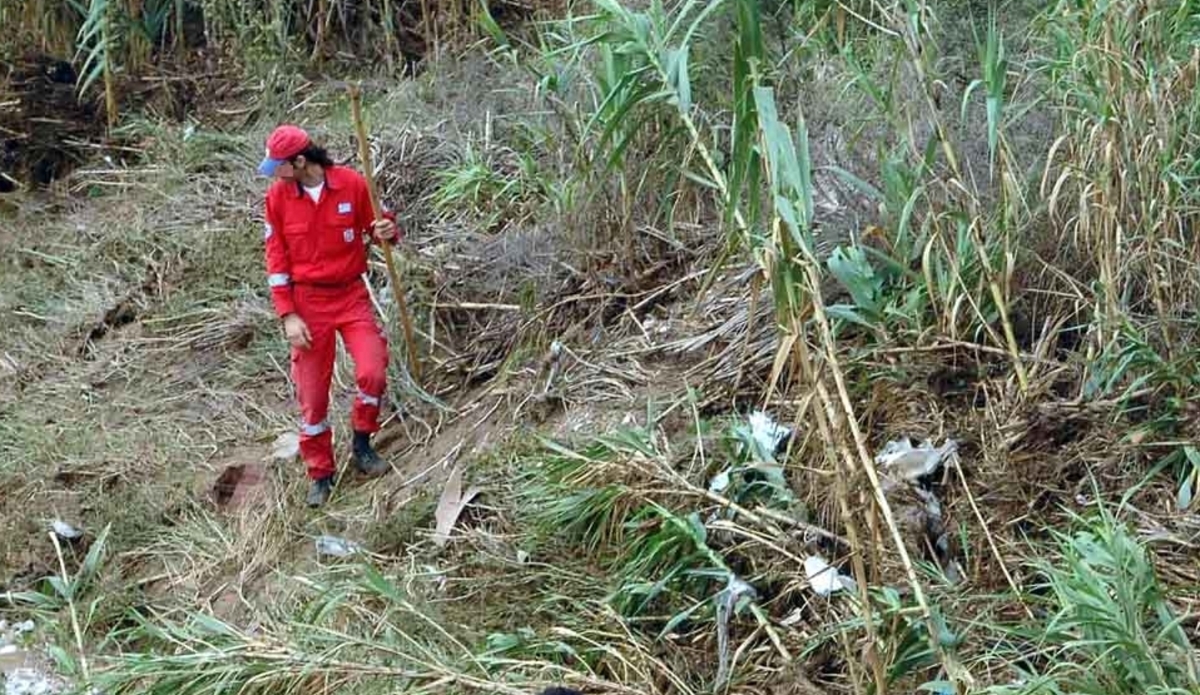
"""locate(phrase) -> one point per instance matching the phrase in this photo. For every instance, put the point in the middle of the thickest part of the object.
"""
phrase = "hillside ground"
(586, 487)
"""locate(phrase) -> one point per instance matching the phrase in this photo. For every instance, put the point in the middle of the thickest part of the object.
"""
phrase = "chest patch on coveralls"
(343, 208)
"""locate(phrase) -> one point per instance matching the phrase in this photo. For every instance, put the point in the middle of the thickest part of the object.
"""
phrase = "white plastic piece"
(900, 458)
(286, 447)
(824, 578)
(727, 600)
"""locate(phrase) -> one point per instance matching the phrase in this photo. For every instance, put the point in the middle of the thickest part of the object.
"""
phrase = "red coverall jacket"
(308, 243)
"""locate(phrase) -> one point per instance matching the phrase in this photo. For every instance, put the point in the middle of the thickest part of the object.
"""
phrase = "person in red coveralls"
(318, 221)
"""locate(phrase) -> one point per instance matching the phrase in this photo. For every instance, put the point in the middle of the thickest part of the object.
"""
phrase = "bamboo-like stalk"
(318, 52)
(364, 152)
(823, 416)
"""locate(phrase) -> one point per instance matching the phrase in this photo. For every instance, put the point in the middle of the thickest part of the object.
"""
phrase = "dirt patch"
(44, 125)
(239, 485)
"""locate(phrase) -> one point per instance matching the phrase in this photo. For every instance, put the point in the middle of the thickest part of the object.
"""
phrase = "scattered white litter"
(900, 458)
(825, 579)
(286, 447)
(23, 672)
(64, 530)
(29, 681)
(337, 547)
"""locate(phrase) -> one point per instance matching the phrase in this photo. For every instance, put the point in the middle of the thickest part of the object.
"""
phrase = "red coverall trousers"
(330, 311)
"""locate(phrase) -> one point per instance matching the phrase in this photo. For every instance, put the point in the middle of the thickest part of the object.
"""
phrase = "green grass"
(1109, 625)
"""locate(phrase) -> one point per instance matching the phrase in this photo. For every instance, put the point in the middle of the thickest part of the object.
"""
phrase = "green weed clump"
(1109, 626)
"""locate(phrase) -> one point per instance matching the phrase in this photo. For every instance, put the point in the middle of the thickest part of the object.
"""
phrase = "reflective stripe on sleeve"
(279, 279)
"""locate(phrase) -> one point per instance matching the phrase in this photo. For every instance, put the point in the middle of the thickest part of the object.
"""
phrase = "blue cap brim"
(268, 166)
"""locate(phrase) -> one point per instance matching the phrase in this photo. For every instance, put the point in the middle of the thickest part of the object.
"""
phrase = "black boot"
(366, 461)
(319, 491)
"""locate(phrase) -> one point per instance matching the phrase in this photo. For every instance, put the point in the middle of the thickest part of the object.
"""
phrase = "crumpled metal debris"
(337, 547)
(30, 681)
(900, 458)
(918, 510)
(760, 439)
(825, 579)
(735, 589)
(64, 530)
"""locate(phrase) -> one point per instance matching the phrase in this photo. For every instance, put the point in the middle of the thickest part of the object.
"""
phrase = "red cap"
(285, 142)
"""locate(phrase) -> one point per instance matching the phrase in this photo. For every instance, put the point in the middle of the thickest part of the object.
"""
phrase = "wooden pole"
(364, 155)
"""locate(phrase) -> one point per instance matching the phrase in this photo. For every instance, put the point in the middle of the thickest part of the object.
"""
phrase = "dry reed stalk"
(846, 418)
(824, 425)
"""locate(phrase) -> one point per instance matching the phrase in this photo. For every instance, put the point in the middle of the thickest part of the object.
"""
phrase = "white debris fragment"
(64, 530)
(900, 458)
(727, 600)
(286, 447)
(767, 433)
(719, 482)
(337, 547)
(825, 579)
(21, 628)
(792, 618)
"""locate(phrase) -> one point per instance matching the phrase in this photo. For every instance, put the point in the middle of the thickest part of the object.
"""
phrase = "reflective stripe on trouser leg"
(312, 371)
(315, 430)
(368, 348)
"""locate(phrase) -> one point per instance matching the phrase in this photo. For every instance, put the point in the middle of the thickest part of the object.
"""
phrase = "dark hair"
(560, 691)
(316, 155)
